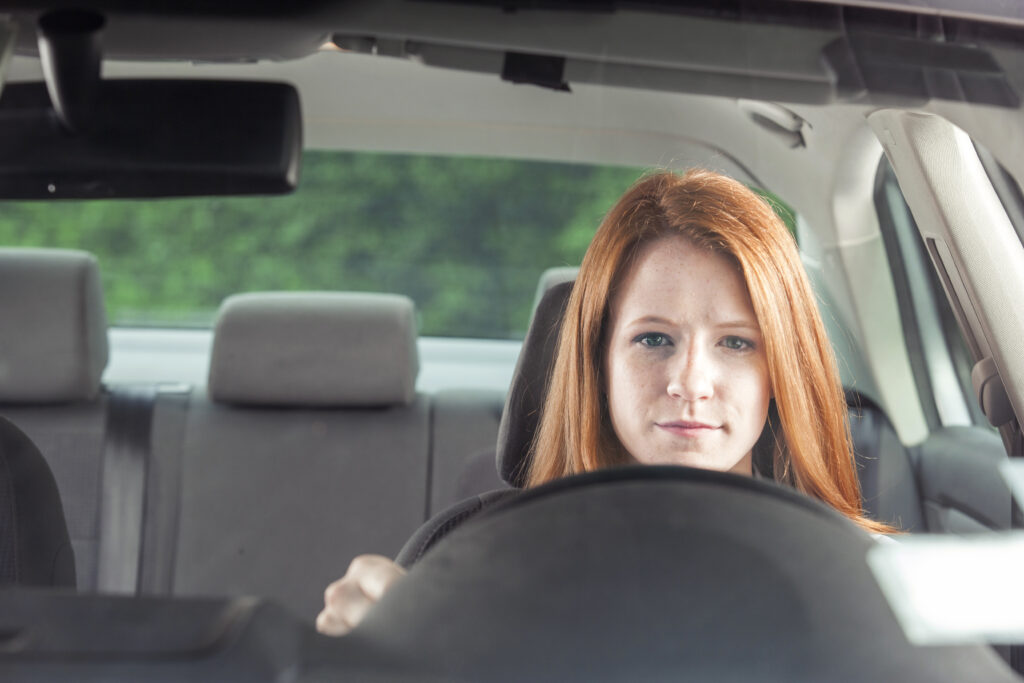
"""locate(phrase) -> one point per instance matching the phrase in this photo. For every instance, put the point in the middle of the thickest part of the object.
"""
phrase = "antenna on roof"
(69, 47)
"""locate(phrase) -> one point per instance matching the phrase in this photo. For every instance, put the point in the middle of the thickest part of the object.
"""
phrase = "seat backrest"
(477, 472)
(464, 428)
(35, 548)
(885, 467)
(530, 384)
(53, 350)
(309, 447)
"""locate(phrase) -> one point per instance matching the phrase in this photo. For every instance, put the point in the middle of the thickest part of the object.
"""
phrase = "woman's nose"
(692, 377)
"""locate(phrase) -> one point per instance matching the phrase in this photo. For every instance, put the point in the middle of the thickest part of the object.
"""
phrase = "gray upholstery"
(885, 467)
(53, 350)
(465, 423)
(34, 545)
(277, 502)
(551, 277)
(277, 497)
(70, 437)
(53, 341)
(314, 349)
(961, 483)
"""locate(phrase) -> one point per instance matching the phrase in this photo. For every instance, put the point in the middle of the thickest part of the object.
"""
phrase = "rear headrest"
(315, 349)
(551, 277)
(53, 327)
(530, 384)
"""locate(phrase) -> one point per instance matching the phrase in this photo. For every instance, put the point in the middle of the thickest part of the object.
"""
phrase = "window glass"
(465, 238)
(936, 347)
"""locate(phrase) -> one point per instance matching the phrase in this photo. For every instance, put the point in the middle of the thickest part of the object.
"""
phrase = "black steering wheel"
(654, 573)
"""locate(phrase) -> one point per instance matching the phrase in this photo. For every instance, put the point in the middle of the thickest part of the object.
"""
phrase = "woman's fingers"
(374, 574)
(347, 600)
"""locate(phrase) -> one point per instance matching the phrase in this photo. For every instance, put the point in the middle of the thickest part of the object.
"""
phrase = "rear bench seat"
(311, 446)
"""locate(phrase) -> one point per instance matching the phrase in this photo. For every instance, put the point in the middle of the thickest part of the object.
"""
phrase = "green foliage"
(467, 239)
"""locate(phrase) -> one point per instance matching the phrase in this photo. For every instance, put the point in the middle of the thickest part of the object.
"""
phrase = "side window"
(939, 356)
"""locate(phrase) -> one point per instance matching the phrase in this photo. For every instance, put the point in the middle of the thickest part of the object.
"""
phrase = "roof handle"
(988, 387)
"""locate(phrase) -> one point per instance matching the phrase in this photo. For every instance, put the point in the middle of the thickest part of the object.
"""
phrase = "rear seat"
(53, 350)
(310, 447)
(465, 423)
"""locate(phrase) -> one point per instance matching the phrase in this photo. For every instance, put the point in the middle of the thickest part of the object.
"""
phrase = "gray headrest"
(53, 327)
(326, 349)
(551, 277)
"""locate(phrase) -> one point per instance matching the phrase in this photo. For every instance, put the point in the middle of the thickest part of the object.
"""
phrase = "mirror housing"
(153, 138)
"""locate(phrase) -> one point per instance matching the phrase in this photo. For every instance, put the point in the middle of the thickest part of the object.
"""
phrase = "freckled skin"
(687, 378)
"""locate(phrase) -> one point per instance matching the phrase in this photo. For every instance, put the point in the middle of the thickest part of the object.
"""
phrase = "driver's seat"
(518, 423)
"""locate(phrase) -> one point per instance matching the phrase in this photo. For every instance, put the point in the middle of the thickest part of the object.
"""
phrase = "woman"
(691, 337)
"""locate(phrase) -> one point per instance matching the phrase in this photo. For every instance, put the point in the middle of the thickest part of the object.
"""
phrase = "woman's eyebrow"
(737, 323)
(740, 323)
(651, 319)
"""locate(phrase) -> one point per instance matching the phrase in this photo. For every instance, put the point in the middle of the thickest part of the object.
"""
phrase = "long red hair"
(806, 440)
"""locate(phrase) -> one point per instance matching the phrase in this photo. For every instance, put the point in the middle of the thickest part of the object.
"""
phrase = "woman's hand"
(347, 600)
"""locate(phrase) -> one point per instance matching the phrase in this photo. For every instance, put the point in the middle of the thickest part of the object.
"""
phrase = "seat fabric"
(35, 549)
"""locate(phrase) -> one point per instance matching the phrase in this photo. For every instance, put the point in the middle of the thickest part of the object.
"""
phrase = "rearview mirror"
(153, 138)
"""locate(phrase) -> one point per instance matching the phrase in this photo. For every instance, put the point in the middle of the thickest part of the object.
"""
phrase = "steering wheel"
(650, 573)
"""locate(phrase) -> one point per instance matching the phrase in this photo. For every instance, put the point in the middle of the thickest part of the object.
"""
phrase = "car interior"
(177, 492)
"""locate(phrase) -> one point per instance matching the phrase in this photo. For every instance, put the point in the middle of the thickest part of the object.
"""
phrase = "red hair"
(806, 440)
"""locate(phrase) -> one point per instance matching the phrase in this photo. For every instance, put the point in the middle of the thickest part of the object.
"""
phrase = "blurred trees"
(466, 238)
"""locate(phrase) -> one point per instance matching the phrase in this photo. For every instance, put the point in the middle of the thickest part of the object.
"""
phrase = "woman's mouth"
(687, 428)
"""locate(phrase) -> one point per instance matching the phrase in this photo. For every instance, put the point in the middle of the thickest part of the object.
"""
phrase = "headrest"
(530, 384)
(551, 277)
(315, 349)
(53, 327)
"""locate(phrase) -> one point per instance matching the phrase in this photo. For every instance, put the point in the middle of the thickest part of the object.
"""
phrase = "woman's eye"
(652, 339)
(737, 343)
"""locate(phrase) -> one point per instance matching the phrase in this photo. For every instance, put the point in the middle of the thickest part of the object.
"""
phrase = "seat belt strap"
(123, 488)
(163, 491)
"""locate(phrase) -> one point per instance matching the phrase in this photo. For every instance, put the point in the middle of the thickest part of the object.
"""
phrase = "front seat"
(35, 548)
(518, 424)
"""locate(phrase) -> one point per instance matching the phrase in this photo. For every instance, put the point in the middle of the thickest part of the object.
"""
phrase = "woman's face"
(685, 366)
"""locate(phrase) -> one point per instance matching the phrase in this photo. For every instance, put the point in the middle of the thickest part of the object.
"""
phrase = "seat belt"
(163, 491)
(123, 488)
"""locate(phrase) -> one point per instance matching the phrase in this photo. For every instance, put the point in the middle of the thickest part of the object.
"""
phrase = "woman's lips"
(687, 428)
